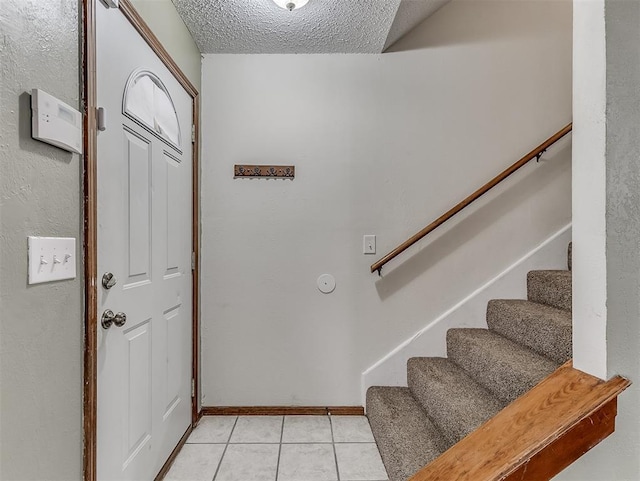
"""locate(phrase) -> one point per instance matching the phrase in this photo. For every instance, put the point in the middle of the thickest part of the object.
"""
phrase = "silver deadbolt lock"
(108, 280)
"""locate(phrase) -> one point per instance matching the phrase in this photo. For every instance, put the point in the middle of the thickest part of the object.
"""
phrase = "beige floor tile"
(196, 462)
(360, 462)
(307, 429)
(307, 462)
(212, 429)
(249, 462)
(351, 429)
(257, 429)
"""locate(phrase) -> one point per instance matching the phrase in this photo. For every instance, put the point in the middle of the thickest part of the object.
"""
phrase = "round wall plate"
(326, 283)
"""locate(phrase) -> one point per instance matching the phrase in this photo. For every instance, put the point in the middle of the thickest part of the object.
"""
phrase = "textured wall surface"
(615, 182)
(260, 26)
(40, 325)
(163, 19)
(623, 230)
(618, 457)
(382, 144)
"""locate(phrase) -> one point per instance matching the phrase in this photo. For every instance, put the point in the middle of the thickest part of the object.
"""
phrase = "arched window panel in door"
(147, 101)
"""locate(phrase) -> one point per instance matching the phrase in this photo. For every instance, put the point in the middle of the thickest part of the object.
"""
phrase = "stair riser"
(454, 402)
(507, 373)
(550, 288)
(405, 436)
(547, 333)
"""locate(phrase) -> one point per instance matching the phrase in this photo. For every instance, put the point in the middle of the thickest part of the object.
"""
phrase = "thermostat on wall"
(54, 122)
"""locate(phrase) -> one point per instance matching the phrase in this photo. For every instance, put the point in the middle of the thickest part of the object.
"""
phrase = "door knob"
(108, 318)
(108, 280)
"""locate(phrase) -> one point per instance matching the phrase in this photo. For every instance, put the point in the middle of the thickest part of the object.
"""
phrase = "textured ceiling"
(322, 26)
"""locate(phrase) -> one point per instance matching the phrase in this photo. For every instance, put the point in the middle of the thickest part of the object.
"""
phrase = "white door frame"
(89, 95)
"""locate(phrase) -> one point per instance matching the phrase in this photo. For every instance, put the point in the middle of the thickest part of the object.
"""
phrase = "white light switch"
(369, 244)
(51, 259)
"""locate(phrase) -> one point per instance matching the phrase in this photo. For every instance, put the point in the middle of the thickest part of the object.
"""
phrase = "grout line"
(280, 448)
(233, 428)
(333, 444)
(225, 449)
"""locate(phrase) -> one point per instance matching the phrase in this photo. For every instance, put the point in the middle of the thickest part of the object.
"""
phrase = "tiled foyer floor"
(277, 448)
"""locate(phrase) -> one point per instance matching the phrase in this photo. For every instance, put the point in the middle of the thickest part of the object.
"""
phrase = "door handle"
(108, 318)
(108, 280)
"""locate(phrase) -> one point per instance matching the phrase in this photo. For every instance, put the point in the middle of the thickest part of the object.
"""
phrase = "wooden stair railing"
(538, 435)
(534, 154)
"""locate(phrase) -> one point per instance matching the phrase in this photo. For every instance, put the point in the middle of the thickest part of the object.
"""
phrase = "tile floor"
(279, 448)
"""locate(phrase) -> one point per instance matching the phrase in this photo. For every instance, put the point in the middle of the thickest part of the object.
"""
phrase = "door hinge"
(193, 261)
(193, 388)
(193, 133)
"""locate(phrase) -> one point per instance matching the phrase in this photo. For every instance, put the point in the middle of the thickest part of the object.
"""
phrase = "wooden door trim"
(90, 214)
(90, 242)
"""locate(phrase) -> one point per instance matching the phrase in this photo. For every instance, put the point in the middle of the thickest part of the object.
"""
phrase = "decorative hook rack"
(266, 171)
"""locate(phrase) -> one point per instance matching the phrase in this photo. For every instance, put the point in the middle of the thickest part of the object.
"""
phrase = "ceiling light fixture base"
(291, 4)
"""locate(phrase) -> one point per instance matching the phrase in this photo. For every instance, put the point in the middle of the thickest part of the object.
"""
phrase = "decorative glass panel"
(147, 101)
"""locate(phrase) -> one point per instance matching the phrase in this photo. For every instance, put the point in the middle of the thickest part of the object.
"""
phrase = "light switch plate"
(51, 259)
(369, 244)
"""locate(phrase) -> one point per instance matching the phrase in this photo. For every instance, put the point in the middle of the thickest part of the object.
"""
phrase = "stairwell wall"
(382, 145)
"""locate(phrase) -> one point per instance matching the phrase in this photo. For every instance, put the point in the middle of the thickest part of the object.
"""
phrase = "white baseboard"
(391, 370)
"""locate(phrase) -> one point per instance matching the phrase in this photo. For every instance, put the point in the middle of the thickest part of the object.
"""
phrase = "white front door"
(144, 240)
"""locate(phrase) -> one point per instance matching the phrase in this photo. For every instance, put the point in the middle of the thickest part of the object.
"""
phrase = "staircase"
(486, 369)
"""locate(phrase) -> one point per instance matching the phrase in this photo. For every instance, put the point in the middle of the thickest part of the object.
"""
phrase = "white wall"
(382, 145)
(589, 188)
(40, 194)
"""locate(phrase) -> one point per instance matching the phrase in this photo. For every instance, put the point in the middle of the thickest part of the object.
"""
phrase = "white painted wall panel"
(589, 189)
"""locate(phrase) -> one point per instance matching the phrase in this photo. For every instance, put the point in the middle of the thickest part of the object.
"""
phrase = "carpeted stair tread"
(453, 401)
(504, 367)
(552, 288)
(543, 328)
(406, 438)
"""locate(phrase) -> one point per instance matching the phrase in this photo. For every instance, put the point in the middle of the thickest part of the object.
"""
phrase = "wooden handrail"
(535, 153)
